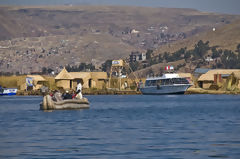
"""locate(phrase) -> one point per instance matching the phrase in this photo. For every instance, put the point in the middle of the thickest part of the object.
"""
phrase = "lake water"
(123, 127)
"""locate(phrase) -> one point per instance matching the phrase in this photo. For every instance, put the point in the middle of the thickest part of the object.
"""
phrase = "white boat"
(169, 83)
(8, 91)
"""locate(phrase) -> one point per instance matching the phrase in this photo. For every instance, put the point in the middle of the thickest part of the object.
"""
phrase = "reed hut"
(98, 80)
(64, 79)
(36, 82)
(217, 76)
(69, 80)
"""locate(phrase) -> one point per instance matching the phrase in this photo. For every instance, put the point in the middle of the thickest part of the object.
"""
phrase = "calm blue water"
(123, 127)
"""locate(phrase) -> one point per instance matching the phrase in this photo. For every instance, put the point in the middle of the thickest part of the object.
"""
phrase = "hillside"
(225, 37)
(156, 69)
(41, 21)
(36, 37)
(55, 52)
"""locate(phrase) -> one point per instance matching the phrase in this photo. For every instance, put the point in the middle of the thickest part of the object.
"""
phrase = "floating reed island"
(204, 91)
(216, 81)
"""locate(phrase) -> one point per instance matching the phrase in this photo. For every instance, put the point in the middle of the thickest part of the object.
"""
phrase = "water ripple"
(136, 127)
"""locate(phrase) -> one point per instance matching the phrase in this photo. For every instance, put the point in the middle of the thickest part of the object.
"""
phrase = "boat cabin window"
(180, 81)
(150, 83)
(166, 81)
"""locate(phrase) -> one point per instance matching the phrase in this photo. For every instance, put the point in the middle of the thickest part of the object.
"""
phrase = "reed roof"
(209, 76)
(99, 75)
(78, 75)
(64, 75)
(37, 77)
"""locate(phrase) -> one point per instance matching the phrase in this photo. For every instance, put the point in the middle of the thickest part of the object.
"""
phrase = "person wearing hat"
(67, 95)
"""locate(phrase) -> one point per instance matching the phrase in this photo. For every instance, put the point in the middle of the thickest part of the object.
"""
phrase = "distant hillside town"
(47, 39)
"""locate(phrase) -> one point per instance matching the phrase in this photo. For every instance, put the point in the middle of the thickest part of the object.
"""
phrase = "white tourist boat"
(169, 83)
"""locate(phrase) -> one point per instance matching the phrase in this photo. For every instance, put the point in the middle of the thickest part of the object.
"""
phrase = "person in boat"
(74, 94)
(52, 93)
(44, 90)
(79, 91)
(57, 96)
(67, 95)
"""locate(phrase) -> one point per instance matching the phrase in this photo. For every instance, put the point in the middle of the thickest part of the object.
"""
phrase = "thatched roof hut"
(37, 81)
(69, 80)
(64, 75)
(209, 76)
(37, 77)
(215, 76)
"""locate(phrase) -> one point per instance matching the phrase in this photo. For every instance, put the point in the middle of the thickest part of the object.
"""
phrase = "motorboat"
(8, 91)
(169, 83)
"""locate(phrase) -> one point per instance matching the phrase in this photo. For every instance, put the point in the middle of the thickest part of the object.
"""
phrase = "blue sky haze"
(219, 6)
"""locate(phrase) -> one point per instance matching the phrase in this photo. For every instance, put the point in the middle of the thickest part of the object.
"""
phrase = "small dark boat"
(49, 104)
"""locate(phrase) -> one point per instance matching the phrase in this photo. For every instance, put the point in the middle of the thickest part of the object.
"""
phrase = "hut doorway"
(71, 84)
(90, 83)
(200, 84)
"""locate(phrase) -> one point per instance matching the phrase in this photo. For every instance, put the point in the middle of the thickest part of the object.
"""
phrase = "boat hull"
(8, 92)
(167, 89)
(49, 104)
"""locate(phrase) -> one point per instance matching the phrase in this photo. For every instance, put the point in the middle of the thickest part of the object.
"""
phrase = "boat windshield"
(168, 81)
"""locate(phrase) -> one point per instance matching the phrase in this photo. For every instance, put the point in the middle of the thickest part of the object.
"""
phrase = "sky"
(218, 6)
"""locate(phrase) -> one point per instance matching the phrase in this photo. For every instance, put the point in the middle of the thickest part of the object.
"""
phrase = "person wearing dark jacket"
(67, 95)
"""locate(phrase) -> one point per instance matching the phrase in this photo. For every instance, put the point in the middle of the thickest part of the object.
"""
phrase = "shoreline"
(133, 92)
(86, 92)
(204, 91)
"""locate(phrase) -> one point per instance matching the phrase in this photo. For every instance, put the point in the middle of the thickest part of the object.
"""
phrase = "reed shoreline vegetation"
(16, 81)
(204, 91)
